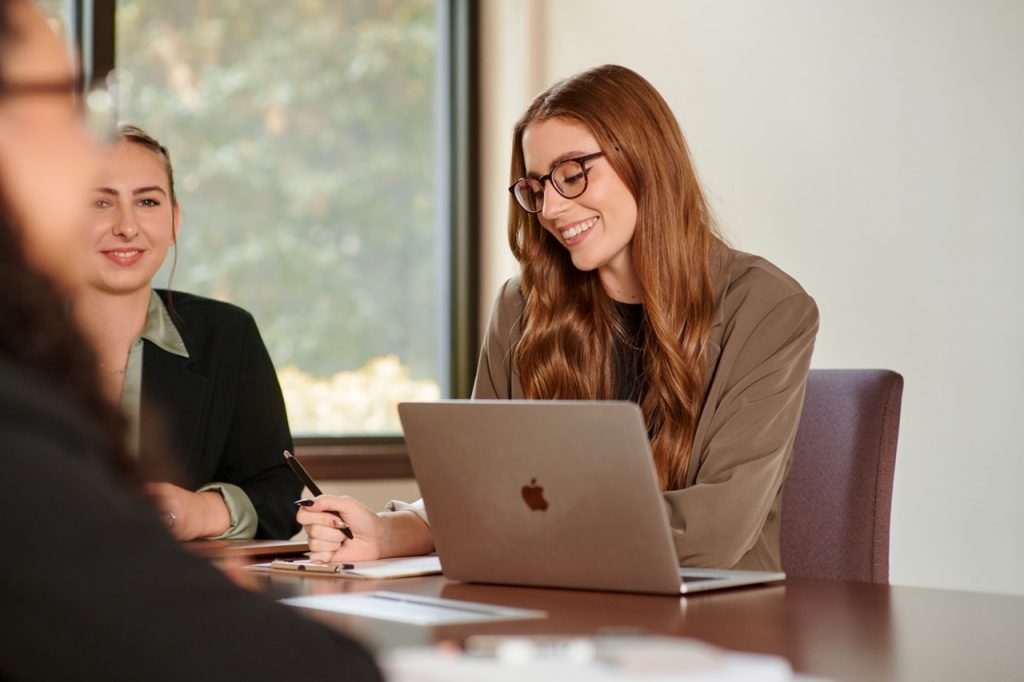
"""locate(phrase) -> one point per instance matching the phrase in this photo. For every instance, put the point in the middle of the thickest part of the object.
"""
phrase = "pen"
(307, 481)
(310, 567)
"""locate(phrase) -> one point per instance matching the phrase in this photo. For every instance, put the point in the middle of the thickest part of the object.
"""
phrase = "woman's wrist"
(386, 533)
(403, 533)
(215, 519)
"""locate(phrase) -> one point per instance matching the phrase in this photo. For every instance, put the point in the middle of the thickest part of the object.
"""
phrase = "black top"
(92, 586)
(628, 351)
(222, 409)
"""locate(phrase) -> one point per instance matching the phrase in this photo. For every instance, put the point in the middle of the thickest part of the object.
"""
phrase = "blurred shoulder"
(32, 410)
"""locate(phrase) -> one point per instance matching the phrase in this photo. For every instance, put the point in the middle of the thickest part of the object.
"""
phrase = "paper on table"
(382, 569)
(411, 608)
(433, 665)
(401, 567)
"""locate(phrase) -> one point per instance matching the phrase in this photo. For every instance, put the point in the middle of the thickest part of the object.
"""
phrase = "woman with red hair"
(627, 292)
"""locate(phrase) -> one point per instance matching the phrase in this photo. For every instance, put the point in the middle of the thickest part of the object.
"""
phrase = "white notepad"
(411, 608)
(401, 567)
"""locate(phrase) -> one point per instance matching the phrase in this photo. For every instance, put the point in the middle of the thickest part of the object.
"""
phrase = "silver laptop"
(551, 494)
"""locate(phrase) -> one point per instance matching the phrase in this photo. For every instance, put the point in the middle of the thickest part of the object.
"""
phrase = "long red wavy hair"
(569, 327)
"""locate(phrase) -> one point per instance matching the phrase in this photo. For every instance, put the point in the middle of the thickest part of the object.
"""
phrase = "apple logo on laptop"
(533, 494)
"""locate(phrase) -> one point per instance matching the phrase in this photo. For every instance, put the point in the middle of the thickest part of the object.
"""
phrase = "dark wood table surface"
(839, 630)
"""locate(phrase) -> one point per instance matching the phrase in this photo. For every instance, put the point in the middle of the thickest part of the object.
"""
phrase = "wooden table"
(839, 630)
(247, 549)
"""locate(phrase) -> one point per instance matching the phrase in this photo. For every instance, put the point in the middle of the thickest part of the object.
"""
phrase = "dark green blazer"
(221, 409)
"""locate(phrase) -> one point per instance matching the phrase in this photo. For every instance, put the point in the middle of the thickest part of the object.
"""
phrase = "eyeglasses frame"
(95, 103)
(542, 180)
(65, 86)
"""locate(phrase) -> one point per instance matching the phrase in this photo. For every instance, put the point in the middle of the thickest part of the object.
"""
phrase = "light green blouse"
(161, 332)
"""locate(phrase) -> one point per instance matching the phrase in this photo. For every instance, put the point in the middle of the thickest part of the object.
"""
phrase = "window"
(313, 152)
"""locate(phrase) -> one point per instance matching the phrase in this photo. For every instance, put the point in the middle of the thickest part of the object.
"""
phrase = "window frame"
(93, 38)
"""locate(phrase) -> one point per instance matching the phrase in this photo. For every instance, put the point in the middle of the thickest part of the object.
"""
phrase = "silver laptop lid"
(546, 493)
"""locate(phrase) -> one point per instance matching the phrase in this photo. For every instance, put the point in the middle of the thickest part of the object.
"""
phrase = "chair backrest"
(837, 499)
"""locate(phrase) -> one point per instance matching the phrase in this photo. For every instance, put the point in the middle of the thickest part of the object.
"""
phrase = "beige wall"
(875, 150)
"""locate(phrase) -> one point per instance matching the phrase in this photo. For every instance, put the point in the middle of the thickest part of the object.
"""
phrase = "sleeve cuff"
(416, 508)
(243, 514)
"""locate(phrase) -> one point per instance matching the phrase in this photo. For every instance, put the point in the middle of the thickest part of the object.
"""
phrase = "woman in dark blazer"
(188, 371)
(225, 407)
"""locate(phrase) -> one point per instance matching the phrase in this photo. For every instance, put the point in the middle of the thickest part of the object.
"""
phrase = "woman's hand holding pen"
(323, 529)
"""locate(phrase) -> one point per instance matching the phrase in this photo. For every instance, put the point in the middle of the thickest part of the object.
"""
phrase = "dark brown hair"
(569, 327)
(37, 332)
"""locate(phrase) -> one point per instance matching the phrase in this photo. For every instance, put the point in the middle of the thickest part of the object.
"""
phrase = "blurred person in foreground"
(92, 585)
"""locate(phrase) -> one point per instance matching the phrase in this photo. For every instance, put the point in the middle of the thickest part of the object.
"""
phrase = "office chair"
(838, 497)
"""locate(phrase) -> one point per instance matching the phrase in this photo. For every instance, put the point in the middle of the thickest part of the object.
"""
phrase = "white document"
(401, 567)
(411, 608)
(432, 665)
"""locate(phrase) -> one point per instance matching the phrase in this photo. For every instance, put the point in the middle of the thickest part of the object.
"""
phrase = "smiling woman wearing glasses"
(627, 292)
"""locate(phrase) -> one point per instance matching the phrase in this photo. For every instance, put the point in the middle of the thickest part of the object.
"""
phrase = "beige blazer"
(728, 514)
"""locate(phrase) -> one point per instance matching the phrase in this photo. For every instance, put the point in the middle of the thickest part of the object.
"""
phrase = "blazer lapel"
(176, 393)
